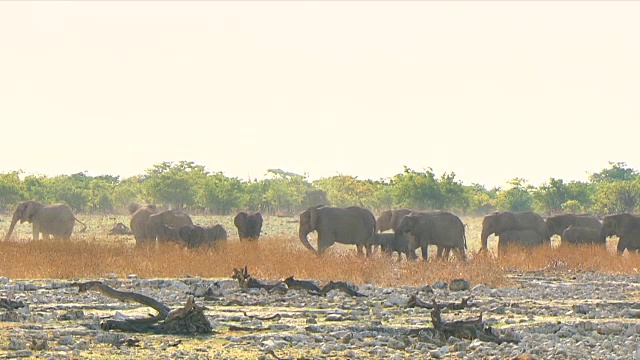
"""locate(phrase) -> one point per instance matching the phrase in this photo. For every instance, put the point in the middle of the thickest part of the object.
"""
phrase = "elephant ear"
(313, 217)
(29, 211)
(258, 217)
(240, 219)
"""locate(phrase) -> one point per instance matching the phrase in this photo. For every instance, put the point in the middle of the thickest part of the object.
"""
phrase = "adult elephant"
(167, 217)
(139, 217)
(525, 238)
(352, 225)
(249, 225)
(56, 220)
(501, 221)
(192, 235)
(390, 219)
(626, 227)
(582, 235)
(556, 224)
(440, 228)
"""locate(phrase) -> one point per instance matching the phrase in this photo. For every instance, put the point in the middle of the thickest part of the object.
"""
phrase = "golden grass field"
(277, 255)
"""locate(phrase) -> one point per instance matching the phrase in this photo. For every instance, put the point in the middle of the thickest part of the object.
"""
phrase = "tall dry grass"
(278, 257)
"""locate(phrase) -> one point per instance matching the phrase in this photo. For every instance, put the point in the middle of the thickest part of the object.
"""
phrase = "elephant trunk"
(305, 241)
(484, 238)
(14, 221)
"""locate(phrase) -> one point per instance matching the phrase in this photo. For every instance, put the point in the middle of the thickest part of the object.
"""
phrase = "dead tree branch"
(189, 319)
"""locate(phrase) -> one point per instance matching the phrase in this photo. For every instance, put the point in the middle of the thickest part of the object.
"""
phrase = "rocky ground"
(549, 315)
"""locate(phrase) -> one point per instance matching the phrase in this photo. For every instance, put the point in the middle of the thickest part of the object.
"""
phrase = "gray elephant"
(56, 220)
(249, 225)
(390, 244)
(556, 224)
(167, 233)
(525, 238)
(501, 221)
(352, 225)
(214, 234)
(167, 217)
(139, 218)
(582, 235)
(192, 235)
(440, 228)
(626, 227)
(390, 219)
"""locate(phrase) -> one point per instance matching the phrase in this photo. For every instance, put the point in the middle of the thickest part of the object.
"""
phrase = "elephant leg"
(440, 251)
(369, 249)
(36, 231)
(425, 252)
(45, 236)
(622, 245)
(447, 252)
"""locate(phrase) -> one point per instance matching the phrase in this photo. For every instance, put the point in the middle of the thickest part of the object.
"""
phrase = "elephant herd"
(411, 229)
(149, 225)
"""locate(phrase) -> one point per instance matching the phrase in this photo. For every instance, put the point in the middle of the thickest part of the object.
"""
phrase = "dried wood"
(189, 319)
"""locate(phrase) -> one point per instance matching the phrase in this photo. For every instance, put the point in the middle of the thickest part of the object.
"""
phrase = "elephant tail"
(84, 226)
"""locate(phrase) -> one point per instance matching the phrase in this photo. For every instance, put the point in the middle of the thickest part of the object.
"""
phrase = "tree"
(617, 196)
(418, 190)
(345, 190)
(220, 194)
(517, 198)
(619, 171)
(174, 183)
(549, 197)
(11, 189)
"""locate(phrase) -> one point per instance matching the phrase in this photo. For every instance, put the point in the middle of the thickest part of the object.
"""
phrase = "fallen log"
(189, 319)
(246, 281)
(345, 287)
(464, 329)
(414, 301)
(9, 304)
(257, 317)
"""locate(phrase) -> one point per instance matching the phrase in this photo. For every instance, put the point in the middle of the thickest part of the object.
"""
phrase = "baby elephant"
(390, 243)
(526, 238)
(582, 235)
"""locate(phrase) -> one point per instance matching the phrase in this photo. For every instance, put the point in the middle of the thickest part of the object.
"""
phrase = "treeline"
(188, 186)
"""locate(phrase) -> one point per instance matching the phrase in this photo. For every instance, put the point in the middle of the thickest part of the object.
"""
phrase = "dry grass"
(279, 257)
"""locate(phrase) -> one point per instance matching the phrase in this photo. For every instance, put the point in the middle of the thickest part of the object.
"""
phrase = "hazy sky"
(488, 90)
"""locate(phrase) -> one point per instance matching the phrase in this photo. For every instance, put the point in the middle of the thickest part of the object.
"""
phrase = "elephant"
(214, 233)
(527, 238)
(390, 219)
(167, 217)
(390, 244)
(167, 233)
(139, 218)
(192, 235)
(558, 223)
(249, 225)
(626, 227)
(352, 225)
(582, 235)
(440, 228)
(501, 221)
(56, 220)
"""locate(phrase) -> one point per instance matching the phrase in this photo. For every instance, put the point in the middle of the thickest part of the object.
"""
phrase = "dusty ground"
(550, 314)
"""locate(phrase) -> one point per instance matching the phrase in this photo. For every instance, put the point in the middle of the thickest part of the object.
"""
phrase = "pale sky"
(488, 90)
